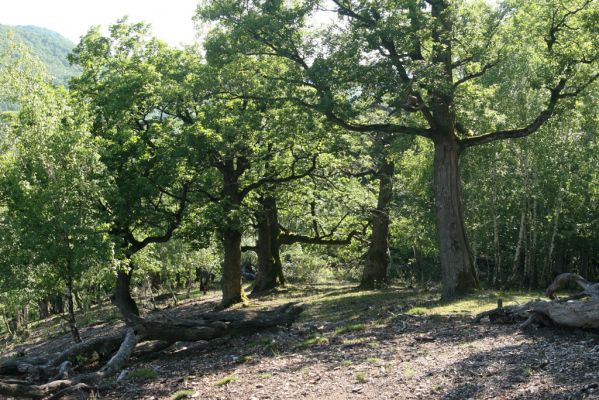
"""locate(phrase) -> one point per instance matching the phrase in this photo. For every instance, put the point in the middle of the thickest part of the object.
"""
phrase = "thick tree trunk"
(270, 270)
(231, 283)
(122, 296)
(44, 308)
(377, 260)
(457, 266)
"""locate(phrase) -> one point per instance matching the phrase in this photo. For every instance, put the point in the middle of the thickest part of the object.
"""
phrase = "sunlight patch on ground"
(474, 304)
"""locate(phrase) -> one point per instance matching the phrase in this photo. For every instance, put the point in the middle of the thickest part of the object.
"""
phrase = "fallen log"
(218, 324)
(210, 328)
(580, 310)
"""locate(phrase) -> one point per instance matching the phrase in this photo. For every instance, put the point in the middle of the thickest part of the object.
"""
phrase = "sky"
(170, 20)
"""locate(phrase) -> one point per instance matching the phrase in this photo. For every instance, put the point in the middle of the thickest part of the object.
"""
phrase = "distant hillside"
(50, 47)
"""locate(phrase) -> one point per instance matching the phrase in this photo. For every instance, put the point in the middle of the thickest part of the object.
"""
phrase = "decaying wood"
(588, 289)
(210, 328)
(571, 312)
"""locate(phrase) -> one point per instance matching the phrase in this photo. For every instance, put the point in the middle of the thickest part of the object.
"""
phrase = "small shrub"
(346, 363)
(361, 377)
(265, 375)
(374, 360)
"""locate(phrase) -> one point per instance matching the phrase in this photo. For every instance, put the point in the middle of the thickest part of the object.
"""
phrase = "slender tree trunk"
(82, 305)
(167, 278)
(496, 279)
(122, 295)
(551, 248)
(231, 283)
(377, 260)
(517, 255)
(457, 267)
(151, 291)
(70, 305)
(497, 248)
(270, 270)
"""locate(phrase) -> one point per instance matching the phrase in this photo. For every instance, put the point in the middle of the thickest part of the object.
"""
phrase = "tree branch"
(521, 132)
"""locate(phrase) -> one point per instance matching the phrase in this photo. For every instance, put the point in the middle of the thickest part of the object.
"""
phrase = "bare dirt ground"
(351, 345)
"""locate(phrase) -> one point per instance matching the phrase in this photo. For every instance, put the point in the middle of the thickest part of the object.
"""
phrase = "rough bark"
(376, 267)
(458, 273)
(231, 280)
(270, 268)
(122, 295)
(219, 324)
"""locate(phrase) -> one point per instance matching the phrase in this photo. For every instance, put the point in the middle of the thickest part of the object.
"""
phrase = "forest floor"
(395, 343)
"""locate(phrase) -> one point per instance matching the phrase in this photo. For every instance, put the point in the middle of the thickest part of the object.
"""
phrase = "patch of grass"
(143, 374)
(182, 394)
(344, 303)
(374, 345)
(418, 311)
(346, 363)
(265, 375)
(315, 340)
(361, 377)
(248, 357)
(374, 360)
(226, 380)
(474, 304)
(350, 328)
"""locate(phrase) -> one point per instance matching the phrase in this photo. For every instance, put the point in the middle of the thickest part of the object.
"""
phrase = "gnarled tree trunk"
(270, 268)
(376, 268)
(458, 272)
(122, 295)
